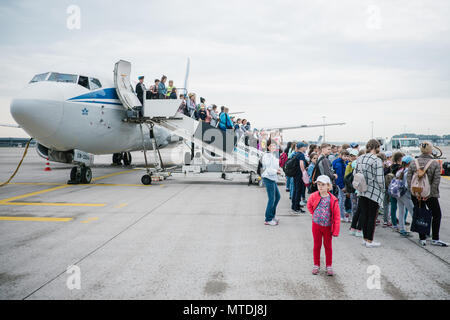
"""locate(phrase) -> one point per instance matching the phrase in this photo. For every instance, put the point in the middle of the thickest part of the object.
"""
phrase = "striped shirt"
(372, 168)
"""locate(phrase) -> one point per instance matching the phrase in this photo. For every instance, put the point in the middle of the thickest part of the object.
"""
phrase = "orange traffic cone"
(47, 166)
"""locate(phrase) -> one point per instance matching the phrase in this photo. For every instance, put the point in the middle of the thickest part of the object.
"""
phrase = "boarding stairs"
(217, 145)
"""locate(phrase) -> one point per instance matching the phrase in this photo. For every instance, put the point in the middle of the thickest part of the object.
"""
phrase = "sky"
(283, 63)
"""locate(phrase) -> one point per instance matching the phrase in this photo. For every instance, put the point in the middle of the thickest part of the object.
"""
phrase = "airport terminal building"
(15, 142)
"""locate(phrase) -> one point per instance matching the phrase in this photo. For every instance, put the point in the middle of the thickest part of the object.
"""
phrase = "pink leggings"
(320, 232)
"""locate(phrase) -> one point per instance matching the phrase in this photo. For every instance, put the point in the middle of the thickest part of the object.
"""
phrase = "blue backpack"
(396, 188)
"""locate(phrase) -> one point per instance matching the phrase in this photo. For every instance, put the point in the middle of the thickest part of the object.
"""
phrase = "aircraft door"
(122, 71)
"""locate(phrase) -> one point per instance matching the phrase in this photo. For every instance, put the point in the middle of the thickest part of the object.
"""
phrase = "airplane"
(74, 116)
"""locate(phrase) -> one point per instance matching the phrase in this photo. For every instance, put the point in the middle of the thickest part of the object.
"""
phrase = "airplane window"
(396, 144)
(409, 143)
(61, 77)
(39, 77)
(83, 81)
(95, 83)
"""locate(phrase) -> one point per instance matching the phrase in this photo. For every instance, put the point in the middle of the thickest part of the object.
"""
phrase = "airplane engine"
(54, 155)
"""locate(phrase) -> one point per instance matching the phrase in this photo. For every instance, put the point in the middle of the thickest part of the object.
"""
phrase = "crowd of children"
(347, 184)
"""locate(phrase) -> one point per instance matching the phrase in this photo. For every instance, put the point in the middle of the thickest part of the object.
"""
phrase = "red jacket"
(313, 202)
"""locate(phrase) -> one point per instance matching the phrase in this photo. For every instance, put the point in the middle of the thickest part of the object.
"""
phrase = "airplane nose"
(38, 110)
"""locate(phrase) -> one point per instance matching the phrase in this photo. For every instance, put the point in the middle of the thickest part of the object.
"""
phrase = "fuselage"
(66, 115)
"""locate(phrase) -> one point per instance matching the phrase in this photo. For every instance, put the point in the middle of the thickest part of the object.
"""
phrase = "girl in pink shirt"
(326, 220)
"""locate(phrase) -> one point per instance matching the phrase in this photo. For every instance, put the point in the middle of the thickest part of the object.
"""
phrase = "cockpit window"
(63, 77)
(89, 83)
(39, 77)
(83, 81)
(95, 83)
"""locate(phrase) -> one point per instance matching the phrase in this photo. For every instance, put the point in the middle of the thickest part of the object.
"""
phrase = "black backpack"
(291, 167)
(314, 176)
(258, 171)
(348, 182)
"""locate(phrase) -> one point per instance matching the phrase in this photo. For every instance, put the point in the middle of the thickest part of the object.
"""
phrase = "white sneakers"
(356, 233)
(439, 243)
(271, 223)
(372, 244)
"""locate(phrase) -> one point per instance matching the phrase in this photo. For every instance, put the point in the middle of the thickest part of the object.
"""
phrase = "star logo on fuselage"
(84, 112)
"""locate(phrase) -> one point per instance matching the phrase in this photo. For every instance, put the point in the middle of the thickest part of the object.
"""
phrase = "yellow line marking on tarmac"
(121, 205)
(8, 202)
(445, 177)
(53, 204)
(35, 219)
(112, 174)
(38, 183)
(90, 184)
(89, 220)
(32, 194)
(115, 185)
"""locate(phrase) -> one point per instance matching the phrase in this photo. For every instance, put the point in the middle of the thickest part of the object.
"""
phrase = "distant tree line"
(432, 137)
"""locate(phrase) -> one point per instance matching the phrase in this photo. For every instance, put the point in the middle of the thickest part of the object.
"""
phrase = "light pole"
(372, 128)
(323, 128)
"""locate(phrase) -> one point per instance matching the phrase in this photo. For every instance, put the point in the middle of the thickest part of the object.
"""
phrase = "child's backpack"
(359, 183)
(348, 182)
(315, 174)
(258, 171)
(291, 167)
(283, 159)
(420, 185)
(396, 188)
(388, 178)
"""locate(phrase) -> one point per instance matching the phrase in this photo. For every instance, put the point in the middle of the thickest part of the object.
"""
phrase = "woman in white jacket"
(271, 169)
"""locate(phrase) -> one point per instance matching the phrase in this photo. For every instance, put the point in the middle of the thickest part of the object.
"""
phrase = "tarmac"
(188, 237)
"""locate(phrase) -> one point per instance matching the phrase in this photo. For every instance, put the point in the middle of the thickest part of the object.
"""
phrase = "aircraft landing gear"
(80, 174)
(146, 179)
(117, 158)
(126, 157)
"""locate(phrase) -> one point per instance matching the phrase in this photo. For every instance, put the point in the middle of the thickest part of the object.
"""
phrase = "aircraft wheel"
(126, 157)
(146, 179)
(73, 174)
(86, 175)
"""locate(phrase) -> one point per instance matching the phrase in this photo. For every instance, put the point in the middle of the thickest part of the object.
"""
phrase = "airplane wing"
(305, 126)
(9, 125)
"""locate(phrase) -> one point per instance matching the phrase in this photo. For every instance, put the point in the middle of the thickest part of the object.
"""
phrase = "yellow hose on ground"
(18, 166)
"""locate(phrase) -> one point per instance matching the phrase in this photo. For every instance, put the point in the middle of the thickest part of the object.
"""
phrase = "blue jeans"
(394, 220)
(274, 196)
(296, 194)
(341, 198)
(354, 200)
(386, 207)
(289, 183)
(303, 193)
